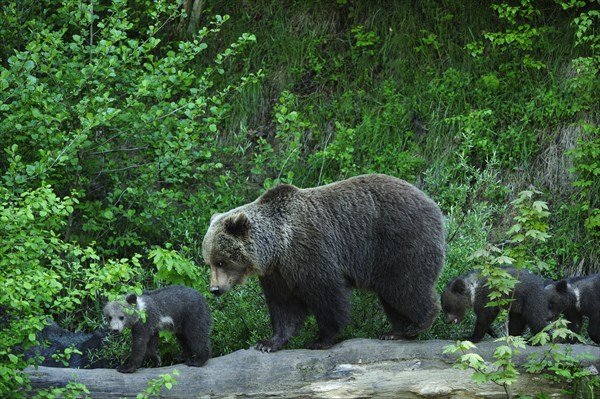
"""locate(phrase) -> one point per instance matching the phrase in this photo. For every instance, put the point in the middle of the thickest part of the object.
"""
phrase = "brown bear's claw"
(391, 336)
(266, 346)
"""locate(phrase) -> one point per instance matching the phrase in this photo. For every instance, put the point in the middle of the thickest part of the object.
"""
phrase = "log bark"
(358, 368)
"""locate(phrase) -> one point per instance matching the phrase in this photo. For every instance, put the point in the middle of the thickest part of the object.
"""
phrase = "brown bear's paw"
(155, 361)
(268, 346)
(125, 369)
(195, 362)
(394, 336)
(319, 345)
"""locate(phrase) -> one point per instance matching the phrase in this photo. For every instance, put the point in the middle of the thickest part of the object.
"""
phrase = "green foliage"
(174, 268)
(156, 385)
(364, 41)
(45, 276)
(102, 122)
(524, 237)
(240, 319)
(118, 110)
(519, 41)
(282, 155)
(586, 166)
(73, 390)
(502, 371)
(66, 355)
(559, 364)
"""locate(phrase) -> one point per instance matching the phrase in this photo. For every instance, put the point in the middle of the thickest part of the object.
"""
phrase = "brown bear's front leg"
(286, 310)
(285, 323)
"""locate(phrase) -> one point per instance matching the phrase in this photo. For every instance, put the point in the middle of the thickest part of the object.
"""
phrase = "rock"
(357, 368)
(56, 339)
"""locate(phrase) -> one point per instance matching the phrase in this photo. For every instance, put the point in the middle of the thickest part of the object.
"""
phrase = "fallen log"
(358, 368)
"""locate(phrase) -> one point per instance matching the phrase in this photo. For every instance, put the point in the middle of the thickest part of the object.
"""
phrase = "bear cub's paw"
(472, 338)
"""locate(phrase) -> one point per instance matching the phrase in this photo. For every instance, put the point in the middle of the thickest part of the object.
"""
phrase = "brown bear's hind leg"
(332, 312)
(408, 326)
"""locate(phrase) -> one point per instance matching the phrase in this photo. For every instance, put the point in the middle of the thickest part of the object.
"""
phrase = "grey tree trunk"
(358, 368)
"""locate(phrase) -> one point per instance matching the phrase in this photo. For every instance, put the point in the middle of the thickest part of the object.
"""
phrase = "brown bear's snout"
(216, 291)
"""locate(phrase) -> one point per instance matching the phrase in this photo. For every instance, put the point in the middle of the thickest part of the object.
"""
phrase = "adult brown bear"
(309, 247)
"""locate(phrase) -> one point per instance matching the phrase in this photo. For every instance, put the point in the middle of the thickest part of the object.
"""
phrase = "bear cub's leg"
(140, 341)
(152, 350)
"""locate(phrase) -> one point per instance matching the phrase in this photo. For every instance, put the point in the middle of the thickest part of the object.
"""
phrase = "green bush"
(108, 128)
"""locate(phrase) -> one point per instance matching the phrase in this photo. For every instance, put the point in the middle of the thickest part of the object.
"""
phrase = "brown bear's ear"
(562, 286)
(213, 217)
(458, 286)
(238, 225)
(131, 299)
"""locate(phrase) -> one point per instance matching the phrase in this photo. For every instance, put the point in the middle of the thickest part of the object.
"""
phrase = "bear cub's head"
(456, 300)
(560, 296)
(123, 314)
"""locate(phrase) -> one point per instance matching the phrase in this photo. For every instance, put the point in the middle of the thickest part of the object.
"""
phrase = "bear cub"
(576, 297)
(176, 308)
(470, 291)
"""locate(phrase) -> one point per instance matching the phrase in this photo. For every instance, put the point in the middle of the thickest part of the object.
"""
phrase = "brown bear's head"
(456, 299)
(229, 249)
(560, 297)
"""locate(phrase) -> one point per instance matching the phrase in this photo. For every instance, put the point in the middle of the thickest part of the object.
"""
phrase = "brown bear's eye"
(220, 264)
(121, 318)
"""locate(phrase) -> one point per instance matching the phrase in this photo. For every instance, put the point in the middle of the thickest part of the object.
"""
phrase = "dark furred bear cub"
(311, 246)
(469, 290)
(576, 297)
(176, 308)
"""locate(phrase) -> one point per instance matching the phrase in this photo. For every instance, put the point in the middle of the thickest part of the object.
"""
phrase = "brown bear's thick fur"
(309, 247)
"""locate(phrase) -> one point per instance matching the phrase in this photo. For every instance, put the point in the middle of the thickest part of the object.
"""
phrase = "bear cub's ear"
(562, 286)
(131, 299)
(237, 225)
(458, 287)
